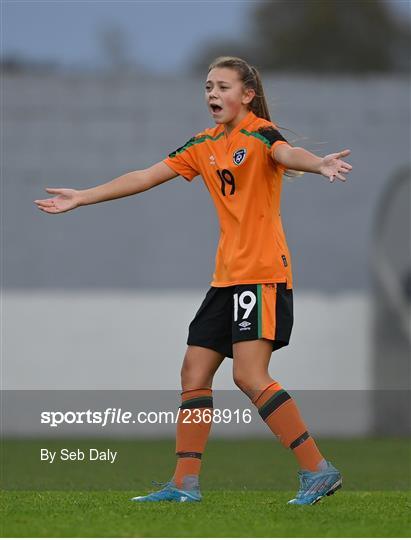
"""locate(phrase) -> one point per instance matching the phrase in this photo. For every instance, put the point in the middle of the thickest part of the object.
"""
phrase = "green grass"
(226, 513)
(245, 485)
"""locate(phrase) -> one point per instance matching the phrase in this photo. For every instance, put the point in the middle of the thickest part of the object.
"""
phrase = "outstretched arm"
(300, 159)
(129, 184)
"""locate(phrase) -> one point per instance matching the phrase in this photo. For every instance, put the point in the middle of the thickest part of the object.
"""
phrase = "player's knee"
(241, 380)
(250, 382)
(185, 373)
(192, 376)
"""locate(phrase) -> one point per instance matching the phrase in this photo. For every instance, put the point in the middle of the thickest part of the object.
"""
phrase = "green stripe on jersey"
(259, 310)
(194, 141)
(257, 136)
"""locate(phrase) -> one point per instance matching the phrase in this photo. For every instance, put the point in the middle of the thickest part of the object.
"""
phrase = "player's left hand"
(332, 166)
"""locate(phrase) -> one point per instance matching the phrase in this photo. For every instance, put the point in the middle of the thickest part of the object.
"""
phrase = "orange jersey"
(245, 184)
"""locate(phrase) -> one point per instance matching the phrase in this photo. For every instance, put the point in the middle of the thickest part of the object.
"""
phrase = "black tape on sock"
(189, 454)
(299, 440)
(273, 403)
(198, 403)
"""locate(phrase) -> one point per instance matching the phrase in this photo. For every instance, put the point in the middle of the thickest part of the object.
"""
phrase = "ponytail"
(259, 104)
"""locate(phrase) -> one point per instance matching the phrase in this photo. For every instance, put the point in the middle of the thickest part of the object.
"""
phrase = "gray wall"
(79, 131)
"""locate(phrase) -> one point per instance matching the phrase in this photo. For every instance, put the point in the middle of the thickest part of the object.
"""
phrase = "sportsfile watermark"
(147, 413)
(112, 415)
(122, 439)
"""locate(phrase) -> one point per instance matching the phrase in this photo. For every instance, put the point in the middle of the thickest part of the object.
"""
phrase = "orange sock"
(193, 428)
(279, 411)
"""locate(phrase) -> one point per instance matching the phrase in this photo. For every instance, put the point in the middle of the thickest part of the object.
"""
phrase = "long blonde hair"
(251, 79)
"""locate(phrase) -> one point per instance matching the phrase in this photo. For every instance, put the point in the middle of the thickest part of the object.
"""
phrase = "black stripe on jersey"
(195, 140)
(182, 148)
(271, 134)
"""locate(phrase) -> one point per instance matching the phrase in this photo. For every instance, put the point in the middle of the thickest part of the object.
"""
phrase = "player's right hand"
(63, 201)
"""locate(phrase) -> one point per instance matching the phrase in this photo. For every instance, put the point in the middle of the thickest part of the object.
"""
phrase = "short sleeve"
(272, 138)
(184, 160)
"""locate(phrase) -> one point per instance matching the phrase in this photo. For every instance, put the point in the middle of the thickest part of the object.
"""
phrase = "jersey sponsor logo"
(239, 156)
(212, 160)
(284, 260)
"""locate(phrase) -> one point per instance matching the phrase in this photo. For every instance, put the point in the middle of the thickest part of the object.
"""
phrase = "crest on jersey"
(239, 156)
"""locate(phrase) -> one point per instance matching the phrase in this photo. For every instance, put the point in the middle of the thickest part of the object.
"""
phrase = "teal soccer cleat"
(316, 485)
(170, 492)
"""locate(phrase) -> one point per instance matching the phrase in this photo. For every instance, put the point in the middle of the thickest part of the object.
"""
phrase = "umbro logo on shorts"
(244, 325)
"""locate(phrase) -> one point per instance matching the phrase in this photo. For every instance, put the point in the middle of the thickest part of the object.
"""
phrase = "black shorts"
(243, 313)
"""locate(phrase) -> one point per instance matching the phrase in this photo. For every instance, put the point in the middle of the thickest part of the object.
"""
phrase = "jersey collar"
(246, 121)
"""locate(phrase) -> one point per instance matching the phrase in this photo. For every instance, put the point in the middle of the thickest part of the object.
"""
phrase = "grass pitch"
(245, 485)
(221, 514)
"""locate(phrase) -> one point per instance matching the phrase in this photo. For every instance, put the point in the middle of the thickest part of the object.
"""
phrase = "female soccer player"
(248, 311)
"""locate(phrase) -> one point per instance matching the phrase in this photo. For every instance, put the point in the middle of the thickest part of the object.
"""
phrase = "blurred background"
(101, 298)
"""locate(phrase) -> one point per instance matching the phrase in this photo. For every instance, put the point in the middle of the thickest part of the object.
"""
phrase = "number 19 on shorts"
(246, 300)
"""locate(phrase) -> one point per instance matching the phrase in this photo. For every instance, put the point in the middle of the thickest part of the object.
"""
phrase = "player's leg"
(275, 406)
(196, 409)
(262, 322)
(279, 411)
(209, 341)
(193, 426)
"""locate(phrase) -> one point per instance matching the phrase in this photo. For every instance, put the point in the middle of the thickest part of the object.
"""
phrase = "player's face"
(225, 91)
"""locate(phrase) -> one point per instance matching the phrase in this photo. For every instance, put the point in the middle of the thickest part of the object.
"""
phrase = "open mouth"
(216, 108)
